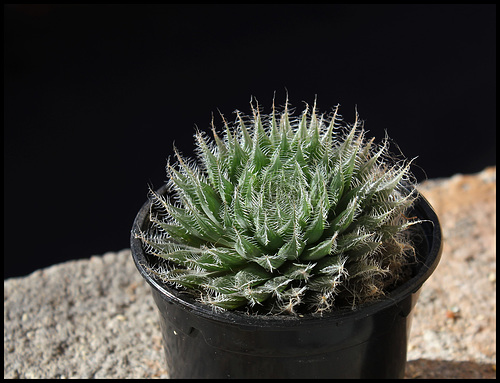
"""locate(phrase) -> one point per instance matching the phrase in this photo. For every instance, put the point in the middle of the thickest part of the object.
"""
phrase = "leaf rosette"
(281, 213)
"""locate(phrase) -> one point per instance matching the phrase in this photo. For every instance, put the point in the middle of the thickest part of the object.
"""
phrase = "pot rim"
(433, 234)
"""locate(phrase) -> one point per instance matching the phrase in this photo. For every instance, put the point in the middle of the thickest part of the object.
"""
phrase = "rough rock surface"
(96, 318)
(82, 319)
(454, 326)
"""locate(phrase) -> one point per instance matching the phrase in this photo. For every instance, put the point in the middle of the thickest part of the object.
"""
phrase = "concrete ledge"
(95, 318)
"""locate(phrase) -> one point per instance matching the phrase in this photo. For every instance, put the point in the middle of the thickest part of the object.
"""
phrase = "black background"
(96, 95)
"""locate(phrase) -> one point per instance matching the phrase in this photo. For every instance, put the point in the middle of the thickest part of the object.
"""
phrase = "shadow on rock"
(445, 369)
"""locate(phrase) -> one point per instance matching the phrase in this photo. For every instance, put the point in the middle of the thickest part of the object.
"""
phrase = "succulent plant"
(283, 214)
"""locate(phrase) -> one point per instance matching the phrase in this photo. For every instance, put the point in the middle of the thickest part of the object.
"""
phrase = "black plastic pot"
(369, 342)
